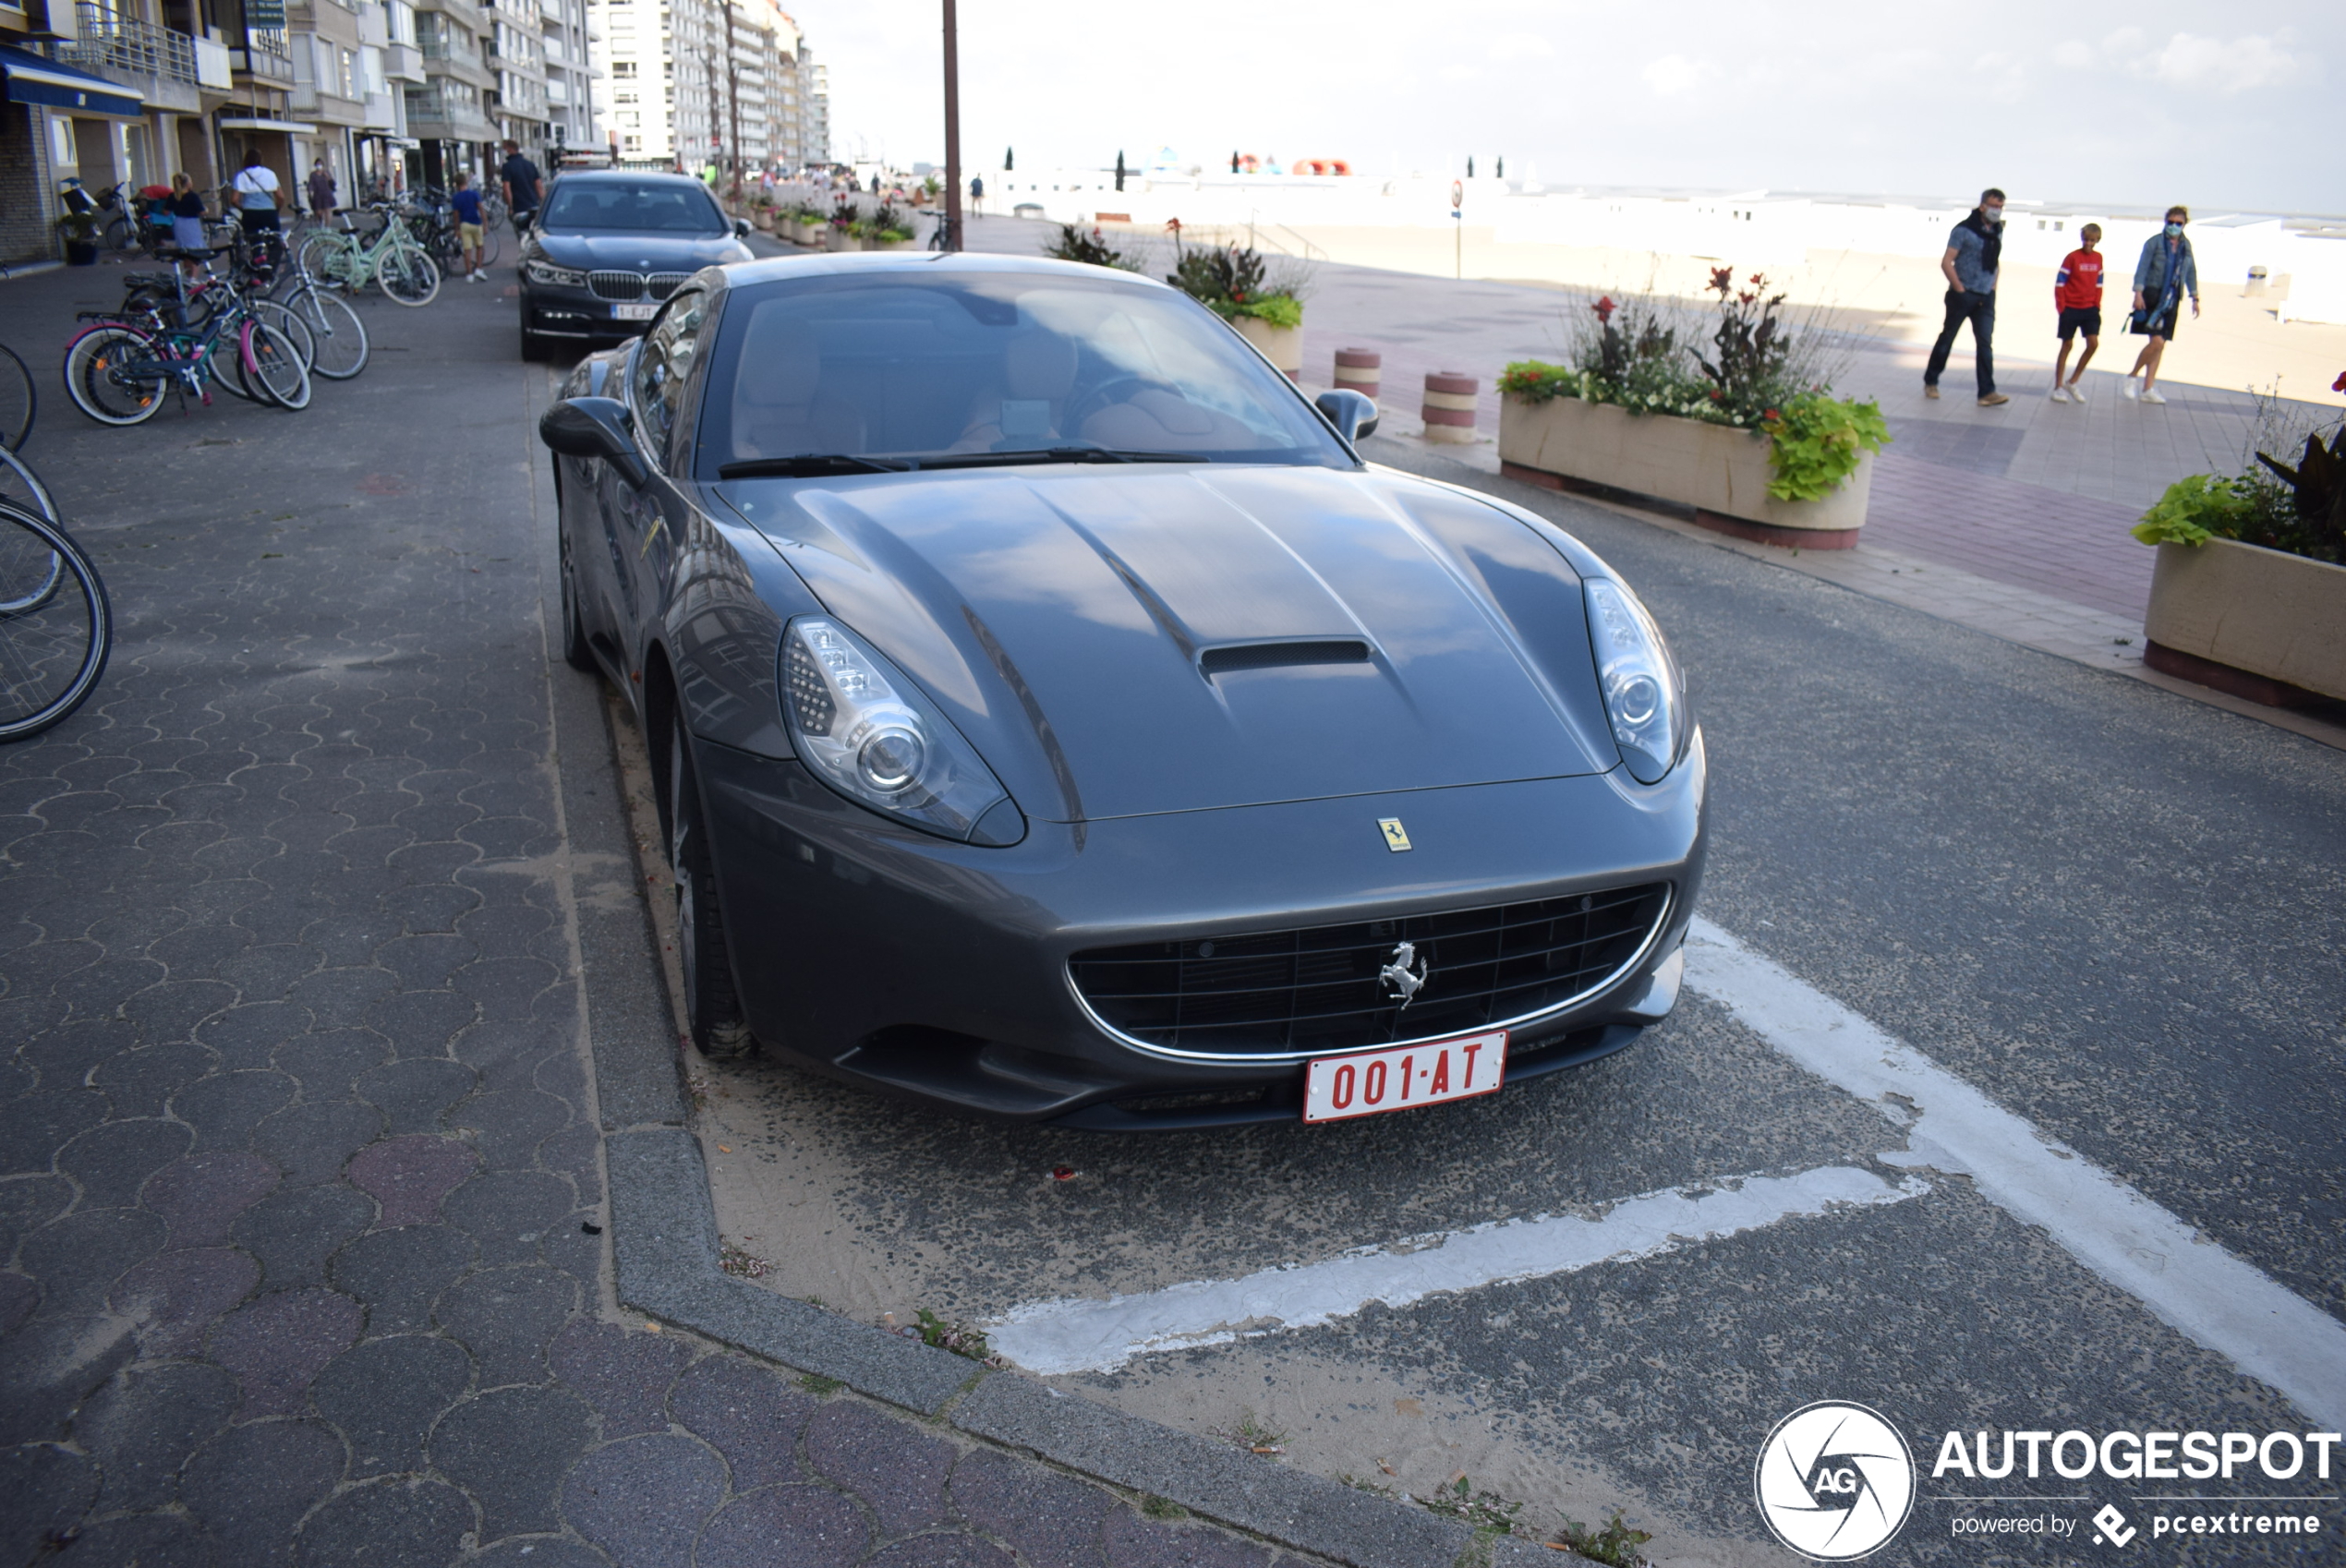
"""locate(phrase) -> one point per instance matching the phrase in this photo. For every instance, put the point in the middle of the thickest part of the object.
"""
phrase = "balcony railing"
(266, 54)
(124, 43)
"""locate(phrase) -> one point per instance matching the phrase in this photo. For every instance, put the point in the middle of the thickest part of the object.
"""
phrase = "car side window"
(664, 367)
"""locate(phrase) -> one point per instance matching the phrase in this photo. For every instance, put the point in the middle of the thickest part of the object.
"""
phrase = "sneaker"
(2150, 394)
(1989, 399)
(2132, 391)
(2060, 393)
(480, 276)
(1930, 390)
(2076, 392)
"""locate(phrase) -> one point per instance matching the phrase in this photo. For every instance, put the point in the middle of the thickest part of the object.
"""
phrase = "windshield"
(968, 367)
(645, 206)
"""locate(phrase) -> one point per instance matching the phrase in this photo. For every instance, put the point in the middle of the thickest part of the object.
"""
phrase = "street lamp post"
(952, 133)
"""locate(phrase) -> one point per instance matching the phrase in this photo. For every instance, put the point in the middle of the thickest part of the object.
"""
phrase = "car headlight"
(869, 735)
(539, 270)
(1644, 694)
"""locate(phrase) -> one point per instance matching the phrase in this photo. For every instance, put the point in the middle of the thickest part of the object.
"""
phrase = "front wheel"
(577, 652)
(277, 367)
(287, 322)
(339, 336)
(410, 277)
(712, 1011)
(55, 625)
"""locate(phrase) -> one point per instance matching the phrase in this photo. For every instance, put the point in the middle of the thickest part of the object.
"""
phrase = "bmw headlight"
(869, 735)
(539, 270)
(1644, 696)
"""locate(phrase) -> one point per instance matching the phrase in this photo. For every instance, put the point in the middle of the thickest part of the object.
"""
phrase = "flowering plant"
(1074, 245)
(1234, 280)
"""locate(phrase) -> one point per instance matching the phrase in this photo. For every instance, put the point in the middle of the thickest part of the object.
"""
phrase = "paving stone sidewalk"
(302, 1199)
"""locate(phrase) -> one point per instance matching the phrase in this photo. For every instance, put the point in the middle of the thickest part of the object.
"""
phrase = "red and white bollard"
(1449, 407)
(1361, 370)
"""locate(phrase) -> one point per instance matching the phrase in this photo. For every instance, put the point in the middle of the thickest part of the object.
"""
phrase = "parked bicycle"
(18, 484)
(56, 627)
(119, 368)
(390, 259)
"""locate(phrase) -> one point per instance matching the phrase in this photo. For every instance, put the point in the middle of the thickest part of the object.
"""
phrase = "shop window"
(61, 149)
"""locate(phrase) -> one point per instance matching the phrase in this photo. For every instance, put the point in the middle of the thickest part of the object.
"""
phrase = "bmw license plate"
(1368, 1083)
(633, 312)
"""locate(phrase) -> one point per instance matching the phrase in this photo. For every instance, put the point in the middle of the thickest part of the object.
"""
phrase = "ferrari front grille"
(1341, 987)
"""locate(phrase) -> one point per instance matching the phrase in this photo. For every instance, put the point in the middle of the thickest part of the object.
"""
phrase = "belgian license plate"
(1398, 1078)
(633, 312)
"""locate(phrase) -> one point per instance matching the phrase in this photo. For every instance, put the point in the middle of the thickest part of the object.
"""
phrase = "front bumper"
(938, 970)
(553, 311)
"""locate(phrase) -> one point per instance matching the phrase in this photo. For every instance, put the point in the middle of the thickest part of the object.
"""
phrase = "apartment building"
(689, 83)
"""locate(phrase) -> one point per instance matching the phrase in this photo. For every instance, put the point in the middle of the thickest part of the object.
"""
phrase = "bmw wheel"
(712, 1011)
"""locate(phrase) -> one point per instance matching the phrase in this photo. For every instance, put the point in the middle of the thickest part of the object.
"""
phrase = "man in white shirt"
(257, 196)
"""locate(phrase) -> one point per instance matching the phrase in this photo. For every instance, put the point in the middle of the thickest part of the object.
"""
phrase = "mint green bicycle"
(392, 260)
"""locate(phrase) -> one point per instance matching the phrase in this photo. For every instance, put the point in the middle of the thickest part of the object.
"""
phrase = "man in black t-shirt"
(520, 186)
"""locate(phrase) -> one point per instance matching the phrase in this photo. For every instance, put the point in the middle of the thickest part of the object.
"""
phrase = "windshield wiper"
(1058, 454)
(809, 463)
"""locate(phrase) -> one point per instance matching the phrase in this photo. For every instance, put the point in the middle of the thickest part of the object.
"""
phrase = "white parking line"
(1080, 1336)
(2190, 1282)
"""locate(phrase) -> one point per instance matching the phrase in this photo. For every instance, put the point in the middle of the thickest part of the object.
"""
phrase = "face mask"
(2173, 230)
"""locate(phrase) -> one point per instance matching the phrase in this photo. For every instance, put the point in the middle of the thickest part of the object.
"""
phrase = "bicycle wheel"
(277, 369)
(116, 375)
(490, 245)
(20, 486)
(18, 404)
(56, 626)
(289, 323)
(121, 234)
(410, 277)
(338, 335)
(225, 362)
(316, 245)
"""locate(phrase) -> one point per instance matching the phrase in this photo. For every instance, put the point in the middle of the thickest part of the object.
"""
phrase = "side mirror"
(1351, 413)
(597, 426)
(740, 228)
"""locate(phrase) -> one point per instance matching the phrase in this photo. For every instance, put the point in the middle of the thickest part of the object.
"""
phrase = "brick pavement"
(302, 1197)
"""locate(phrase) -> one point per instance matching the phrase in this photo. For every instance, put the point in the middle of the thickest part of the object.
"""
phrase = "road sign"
(1458, 193)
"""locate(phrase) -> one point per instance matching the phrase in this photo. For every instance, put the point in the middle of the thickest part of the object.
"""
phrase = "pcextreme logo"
(1835, 1481)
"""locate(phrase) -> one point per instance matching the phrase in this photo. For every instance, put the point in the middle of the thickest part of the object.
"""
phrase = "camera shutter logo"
(1835, 1481)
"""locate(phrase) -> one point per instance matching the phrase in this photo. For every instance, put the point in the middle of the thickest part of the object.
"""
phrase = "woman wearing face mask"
(2162, 277)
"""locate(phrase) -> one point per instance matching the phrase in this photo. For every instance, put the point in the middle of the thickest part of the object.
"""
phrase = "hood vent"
(1280, 655)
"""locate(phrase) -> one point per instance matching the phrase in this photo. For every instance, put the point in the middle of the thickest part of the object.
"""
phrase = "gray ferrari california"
(1054, 719)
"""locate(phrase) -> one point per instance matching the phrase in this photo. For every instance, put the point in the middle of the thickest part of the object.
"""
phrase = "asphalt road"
(2114, 911)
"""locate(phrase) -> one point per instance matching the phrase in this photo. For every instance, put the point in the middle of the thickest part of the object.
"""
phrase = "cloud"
(1520, 46)
(1674, 74)
(2076, 54)
(2212, 65)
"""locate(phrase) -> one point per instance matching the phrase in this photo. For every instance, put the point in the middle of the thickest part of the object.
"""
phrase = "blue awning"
(31, 79)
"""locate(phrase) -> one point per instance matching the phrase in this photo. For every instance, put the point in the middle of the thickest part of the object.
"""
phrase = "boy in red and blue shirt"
(2077, 296)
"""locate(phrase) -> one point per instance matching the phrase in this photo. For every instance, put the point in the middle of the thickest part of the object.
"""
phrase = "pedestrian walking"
(2162, 277)
(2077, 298)
(185, 207)
(257, 196)
(977, 196)
(1975, 251)
(321, 191)
(466, 202)
(520, 176)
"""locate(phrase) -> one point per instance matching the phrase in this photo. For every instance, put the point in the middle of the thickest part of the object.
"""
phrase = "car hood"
(641, 252)
(1135, 640)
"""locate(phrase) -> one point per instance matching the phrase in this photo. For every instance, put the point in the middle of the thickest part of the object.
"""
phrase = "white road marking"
(2190, 1283)
(1083, 1336)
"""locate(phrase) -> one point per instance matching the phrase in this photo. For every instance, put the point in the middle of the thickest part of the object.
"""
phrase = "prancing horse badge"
(1396, 838)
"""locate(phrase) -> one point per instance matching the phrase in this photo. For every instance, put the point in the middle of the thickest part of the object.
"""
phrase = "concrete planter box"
(806, 233)
(1283, 347)
(2243, 607)
(1722, 473)
(840, 240)
(891, 245)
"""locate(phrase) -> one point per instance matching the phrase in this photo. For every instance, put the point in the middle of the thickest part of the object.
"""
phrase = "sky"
(2224, 107)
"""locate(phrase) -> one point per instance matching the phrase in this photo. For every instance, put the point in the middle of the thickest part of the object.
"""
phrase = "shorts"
(2160, 326)
(470, 235)
(2075, 319)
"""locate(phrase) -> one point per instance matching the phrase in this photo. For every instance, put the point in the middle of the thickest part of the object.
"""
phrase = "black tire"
(18, 401)
(577, 652)
(20, 486)
(339, 335)
(712, 1008)
(55, 629)
(115, 375)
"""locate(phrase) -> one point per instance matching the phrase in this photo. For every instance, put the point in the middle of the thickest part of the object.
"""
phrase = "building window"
(61, 151)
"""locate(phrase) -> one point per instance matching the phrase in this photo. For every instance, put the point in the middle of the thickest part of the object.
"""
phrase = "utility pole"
(952, 130)
(716, 119)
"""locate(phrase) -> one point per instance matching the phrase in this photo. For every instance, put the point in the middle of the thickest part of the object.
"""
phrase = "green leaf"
(2194, 510)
